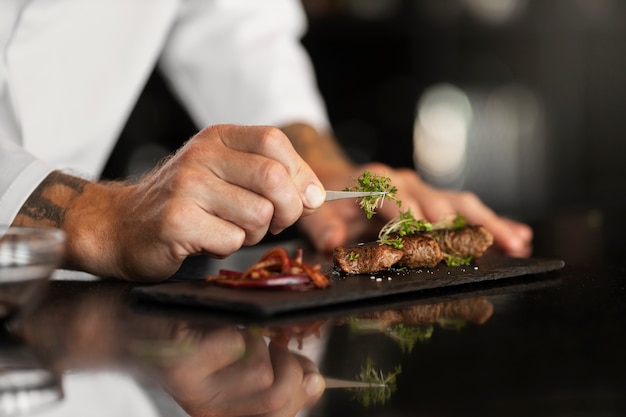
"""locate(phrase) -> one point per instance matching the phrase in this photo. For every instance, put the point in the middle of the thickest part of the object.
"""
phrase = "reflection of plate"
(345, 289)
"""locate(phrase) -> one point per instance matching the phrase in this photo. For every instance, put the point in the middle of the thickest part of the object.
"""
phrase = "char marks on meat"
(470, 240)
(420, 250)
(366, 258)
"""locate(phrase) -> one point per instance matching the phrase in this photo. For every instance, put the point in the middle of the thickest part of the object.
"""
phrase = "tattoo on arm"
(48, 204)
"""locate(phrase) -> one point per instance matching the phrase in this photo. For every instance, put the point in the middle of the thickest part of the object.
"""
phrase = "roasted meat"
(366, 258)
(470, 240)
(420, 250)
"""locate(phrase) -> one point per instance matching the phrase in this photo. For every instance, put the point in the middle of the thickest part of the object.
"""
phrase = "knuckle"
(263, 213)
(271, 137)
(229, 245)
(273, 174)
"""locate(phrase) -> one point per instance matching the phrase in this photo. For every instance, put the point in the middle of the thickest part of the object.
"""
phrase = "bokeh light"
(444, 117)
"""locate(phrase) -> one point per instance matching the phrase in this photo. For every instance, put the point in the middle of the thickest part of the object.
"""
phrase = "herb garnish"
(404, 224)
(353, 256)
(453, 260)
(369, 182)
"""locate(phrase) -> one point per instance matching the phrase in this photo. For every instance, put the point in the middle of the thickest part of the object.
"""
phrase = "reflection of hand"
(342, 221)
(230, 374)
(224, 188)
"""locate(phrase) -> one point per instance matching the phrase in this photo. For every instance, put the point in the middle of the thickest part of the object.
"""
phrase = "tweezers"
(337, 195)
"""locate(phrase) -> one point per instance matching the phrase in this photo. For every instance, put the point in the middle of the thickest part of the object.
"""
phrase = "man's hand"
(226, 187)
(338, 222)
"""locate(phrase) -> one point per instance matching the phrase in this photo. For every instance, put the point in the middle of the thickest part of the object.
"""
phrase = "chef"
(70, 74)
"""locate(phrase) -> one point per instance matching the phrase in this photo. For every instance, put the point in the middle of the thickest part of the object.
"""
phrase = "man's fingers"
(273, 143)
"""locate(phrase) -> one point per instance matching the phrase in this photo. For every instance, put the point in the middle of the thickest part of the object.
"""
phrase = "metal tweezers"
(337, 195)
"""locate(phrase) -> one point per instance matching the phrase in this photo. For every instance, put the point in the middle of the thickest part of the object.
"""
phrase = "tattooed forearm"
(42, 210)
(48, 204)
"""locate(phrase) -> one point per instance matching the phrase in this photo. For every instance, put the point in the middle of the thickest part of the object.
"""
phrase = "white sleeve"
(241, 61)
(20, 174)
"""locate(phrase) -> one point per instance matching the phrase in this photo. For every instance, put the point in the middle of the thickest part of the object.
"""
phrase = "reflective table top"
(548, 344)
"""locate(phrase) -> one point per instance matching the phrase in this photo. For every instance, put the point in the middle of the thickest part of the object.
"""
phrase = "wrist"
(90, 225)
(85, 211)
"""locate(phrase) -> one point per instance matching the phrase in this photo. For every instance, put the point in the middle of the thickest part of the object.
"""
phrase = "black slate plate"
(344, 289)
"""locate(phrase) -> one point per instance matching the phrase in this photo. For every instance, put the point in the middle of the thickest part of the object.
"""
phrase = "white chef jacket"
(71, 71)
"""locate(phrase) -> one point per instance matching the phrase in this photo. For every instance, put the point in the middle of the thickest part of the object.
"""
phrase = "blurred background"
(519, 101)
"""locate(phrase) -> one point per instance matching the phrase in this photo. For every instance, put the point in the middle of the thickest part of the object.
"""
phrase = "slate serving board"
(344, 289)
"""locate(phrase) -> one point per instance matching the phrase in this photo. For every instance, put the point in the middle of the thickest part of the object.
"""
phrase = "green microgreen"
(457, 223)
(369, 182)
(404, 224)
(353, 256)
(453, 260)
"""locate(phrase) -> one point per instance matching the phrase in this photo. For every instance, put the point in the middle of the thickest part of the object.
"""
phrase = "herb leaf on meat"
(404, 224)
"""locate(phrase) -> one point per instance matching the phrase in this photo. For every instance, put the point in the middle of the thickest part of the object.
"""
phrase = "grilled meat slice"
(366, 258)
(420, 250)
(470, 240)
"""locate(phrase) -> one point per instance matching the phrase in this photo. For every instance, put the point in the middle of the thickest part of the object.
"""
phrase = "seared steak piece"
(420, 250)
(366, 258)
(470, 240)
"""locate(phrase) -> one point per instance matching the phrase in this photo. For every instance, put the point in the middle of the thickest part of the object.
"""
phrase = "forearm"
(84, 211)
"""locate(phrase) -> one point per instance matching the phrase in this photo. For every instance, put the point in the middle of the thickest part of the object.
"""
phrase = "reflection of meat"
(470, 240)
(366, 258)
(419, 250)
(423, 314)
(475, 310)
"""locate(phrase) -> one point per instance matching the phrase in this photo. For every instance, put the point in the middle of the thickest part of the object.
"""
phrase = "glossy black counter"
(543, 345)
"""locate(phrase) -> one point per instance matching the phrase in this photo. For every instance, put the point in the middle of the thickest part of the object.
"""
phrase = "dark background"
(375, 59)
